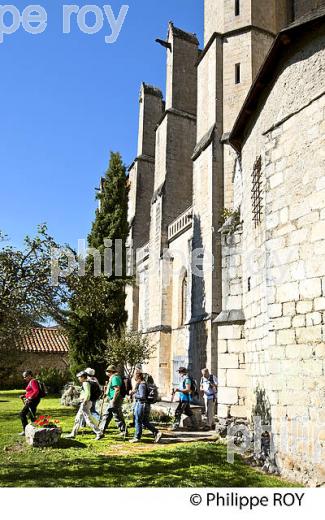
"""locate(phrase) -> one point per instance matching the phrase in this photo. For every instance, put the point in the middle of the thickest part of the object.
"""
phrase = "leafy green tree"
(28, 296)
(97, 304)
(128, 349)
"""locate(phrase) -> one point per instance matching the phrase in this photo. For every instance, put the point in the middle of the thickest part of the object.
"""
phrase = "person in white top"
(208, 387)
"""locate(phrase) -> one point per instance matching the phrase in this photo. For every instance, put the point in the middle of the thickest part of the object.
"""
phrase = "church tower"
(237, 37)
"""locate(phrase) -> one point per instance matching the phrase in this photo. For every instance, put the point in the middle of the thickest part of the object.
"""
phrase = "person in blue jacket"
(142, 410)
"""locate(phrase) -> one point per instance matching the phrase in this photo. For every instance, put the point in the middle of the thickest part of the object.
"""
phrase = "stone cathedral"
(227, 218)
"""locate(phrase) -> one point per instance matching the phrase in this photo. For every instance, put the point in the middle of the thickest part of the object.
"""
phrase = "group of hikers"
(141, 390)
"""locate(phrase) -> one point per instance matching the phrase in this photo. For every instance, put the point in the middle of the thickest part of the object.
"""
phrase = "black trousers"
(183, 408)
(28, 409)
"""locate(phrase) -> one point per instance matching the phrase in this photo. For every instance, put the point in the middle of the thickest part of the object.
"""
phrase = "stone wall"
(231, 332)
(284, 262)
(181, 85)
(208, 70)
(11, 371)
(302, 7)
(180, 250)
(175, 141)
(151, 109)
(141, 180)
(269, 15)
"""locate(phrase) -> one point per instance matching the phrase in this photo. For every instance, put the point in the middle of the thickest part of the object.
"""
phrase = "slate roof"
(45, 340)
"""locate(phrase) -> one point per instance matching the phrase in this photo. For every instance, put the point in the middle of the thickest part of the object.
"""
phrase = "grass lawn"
(112, 462)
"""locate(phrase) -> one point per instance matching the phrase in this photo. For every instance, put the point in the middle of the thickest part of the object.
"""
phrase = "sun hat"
(82, 373)
(111, 368)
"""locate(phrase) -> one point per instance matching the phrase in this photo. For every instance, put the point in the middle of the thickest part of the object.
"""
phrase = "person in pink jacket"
(31, 399)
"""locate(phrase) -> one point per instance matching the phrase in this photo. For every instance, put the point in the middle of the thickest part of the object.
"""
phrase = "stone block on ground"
(42, 437)
(186, 421)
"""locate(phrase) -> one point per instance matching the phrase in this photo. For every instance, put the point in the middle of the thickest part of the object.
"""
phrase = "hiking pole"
(103, 401)
(171, 401)
(30, 411)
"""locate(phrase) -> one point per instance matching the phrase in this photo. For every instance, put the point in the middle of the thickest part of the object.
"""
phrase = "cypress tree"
(97, 305)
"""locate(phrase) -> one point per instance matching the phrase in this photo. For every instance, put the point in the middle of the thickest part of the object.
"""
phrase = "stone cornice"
(176, 112)
(202, 317)
(235, 316)
(160, 328)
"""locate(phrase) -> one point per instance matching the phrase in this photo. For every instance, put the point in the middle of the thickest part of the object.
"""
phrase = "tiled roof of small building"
(48, 340)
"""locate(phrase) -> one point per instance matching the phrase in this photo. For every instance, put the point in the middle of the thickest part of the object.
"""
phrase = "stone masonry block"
(288, 292)
(318, 231)
(280, 323)
(309, 334)
(222, 377)
(319, 304)
(222, 346)
(320, 351)
(311, 367)
(285, 337)
(236, 345)
(298, 321)
(230, 332)
(222, 410)
(227, 395)
(275, 310)
(237, 377)
(289, 309)
(311, 288)
(294, 382)
(228, 361)
(278, 352)
(314, 318)
(304, 306)
(292, 397)
(239, 411)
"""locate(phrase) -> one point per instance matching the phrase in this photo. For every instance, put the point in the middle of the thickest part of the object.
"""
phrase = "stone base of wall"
(293, 468)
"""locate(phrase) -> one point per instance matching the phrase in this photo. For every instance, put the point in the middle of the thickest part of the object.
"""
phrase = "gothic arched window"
(184, 299)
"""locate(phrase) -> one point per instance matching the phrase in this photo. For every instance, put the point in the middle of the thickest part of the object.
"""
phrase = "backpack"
(148, 379)
(194, 387)
(152, 393)
(126, 386)
(42, 390)
(95, 391)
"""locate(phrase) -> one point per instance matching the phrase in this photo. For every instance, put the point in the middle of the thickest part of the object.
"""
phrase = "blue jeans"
(141, 415)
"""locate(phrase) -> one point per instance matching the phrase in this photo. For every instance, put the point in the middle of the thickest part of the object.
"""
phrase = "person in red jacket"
(31, 399)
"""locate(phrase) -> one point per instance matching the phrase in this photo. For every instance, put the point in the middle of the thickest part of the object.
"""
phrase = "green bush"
(54, 379)
(158, 416)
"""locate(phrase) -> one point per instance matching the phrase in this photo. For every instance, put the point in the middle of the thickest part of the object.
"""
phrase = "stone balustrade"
(181, 224)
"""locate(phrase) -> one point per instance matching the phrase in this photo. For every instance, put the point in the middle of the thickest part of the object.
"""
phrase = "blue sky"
(66, 101)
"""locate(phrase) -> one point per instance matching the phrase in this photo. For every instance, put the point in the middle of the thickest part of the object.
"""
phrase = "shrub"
(162, 417)
(54, 379)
